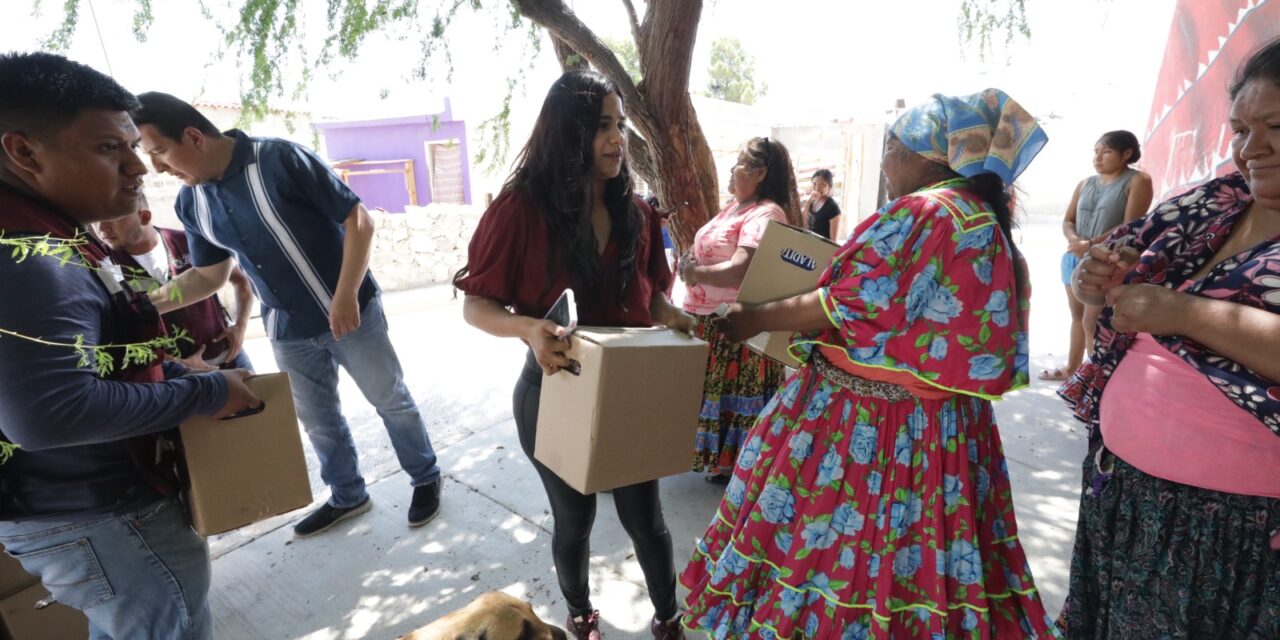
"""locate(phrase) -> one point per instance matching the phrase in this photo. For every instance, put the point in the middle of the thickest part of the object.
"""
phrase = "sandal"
(1055, 375)
(716, 478)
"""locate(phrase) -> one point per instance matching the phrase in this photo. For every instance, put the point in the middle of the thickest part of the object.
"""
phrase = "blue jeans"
(143, 574)
(369, 358)
(241, 361)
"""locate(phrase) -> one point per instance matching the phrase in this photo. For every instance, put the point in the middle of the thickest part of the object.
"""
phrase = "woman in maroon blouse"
(567, 218)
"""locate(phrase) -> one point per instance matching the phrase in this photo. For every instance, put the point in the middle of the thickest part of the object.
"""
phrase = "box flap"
(807, 232)
(623, 337)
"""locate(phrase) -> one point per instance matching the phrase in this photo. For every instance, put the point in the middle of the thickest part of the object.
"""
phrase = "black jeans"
(639, 510)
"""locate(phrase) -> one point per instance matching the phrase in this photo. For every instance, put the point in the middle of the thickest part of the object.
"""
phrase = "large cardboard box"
(30, 615)
(12, 576)
(788, 262)
(246, 469)
(630, 415)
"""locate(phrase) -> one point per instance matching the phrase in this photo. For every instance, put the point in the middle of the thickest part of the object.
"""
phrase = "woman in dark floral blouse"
(1177, 533)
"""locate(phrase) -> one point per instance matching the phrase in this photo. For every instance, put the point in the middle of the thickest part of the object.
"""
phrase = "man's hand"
(239, 397)
(344, 314)
(234, 335)
(194, 362)
(1148, 308)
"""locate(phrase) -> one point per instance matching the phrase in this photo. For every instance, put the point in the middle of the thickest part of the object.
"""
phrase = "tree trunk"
(659, 108)
(641, 159)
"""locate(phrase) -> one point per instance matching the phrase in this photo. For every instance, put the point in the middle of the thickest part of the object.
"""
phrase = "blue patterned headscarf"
(985, 132)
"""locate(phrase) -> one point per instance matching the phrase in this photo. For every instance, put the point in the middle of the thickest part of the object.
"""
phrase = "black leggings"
(639, 510)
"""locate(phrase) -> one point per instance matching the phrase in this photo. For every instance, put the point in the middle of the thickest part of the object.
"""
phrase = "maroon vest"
(204, 320)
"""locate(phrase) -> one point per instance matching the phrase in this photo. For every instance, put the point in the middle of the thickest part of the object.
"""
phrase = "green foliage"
(269, 37)
(142, 20)
(26, 246)
(625, 50)
(99, 357)
(7, 450)
(981, 21)
(495, 135)
(60, 39)
(732, 73)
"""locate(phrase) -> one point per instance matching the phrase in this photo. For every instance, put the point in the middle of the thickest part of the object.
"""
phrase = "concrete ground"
(373, 577)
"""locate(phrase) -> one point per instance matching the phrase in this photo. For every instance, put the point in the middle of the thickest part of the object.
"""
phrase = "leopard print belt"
(860, 386)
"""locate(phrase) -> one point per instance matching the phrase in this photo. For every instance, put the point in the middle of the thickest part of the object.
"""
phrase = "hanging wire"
(101, 42)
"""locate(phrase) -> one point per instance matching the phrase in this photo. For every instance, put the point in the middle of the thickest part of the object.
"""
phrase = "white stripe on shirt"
(204, 220)
(284, 237)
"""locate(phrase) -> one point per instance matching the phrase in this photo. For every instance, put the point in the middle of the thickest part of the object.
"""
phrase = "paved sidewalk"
(376, 578)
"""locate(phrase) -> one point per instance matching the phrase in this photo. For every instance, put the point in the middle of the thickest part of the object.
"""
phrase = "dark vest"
(204, 320)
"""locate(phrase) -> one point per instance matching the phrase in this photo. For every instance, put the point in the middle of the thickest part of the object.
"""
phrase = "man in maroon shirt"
(150, 256)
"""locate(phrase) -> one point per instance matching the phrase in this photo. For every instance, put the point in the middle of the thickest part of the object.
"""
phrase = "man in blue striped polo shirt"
(304, 239)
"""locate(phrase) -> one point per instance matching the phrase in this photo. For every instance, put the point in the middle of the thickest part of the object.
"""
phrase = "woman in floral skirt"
(872, 500)
(738, 382)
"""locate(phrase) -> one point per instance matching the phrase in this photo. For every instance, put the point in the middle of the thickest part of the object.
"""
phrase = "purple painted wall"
(390, 139)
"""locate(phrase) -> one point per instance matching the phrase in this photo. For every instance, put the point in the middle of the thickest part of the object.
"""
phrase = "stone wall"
(424, 245)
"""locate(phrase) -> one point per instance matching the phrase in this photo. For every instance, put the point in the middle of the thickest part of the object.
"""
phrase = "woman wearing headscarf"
(1179, 527)
(872, 499)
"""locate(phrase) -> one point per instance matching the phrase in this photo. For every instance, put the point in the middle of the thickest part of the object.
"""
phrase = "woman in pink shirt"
(1177, 533)
(738, 382)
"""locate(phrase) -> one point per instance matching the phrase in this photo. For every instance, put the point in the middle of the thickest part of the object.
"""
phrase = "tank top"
(1101, 206)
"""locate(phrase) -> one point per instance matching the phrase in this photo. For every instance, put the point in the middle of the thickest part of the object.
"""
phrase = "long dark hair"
(556, 171)
(992, 189)
(779, 183)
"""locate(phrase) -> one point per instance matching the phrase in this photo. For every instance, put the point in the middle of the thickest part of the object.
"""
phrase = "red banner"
(1188, 138)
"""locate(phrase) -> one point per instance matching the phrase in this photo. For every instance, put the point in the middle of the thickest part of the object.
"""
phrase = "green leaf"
(984, 334)
(103, 362)
(965, 341)
(7, 449)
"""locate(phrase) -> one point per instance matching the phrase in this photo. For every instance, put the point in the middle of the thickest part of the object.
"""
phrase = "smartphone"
(564, 312)
(672, 211)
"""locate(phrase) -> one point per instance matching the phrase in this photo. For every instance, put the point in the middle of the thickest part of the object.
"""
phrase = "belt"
(860, 386)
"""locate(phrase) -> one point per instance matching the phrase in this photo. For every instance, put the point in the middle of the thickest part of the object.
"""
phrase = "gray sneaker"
(326, 516)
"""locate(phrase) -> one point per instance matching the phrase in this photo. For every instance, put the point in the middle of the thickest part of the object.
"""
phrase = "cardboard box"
(12, 576)
(246, 469)
(788, 262)
(630, 415)
(27, 615)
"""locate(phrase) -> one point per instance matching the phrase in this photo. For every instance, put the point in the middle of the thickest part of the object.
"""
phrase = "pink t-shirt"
(719, 239)
(1164, 417)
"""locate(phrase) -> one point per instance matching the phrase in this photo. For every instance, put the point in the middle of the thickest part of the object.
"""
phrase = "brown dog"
(492, 616)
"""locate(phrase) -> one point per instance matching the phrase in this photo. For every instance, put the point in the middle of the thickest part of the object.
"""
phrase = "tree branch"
(666, 55)
(570, 60)
(642, 163)
(635, 22)
(557, 19)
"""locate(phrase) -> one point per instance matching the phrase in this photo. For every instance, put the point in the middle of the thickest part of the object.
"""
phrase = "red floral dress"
(853, 514)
